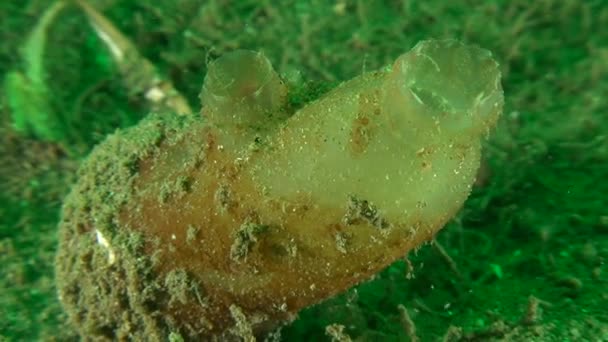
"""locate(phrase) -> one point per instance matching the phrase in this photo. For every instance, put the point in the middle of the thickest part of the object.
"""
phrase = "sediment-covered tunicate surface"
(225, 225)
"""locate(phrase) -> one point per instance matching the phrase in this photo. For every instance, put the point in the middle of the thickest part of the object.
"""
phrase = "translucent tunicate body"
(170, 230)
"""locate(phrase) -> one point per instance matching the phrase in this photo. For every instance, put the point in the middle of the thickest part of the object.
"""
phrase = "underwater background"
(524, 260)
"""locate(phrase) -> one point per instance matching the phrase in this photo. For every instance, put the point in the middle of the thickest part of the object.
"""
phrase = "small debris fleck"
(177, 188)
(363, 210)
(342, 241)
(178, 286)
(191, 234)
(337, 334)
(407, 323)
(246, 237)
(242, 325)
(223, 198)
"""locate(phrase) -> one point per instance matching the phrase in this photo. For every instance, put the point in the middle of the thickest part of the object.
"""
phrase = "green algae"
(537, 214)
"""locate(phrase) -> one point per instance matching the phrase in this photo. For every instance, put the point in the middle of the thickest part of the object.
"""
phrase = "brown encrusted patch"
(360, 135)
(362, 128)
(123, 297)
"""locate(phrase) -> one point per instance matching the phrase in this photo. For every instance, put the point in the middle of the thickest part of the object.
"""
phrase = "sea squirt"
(225, 225)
